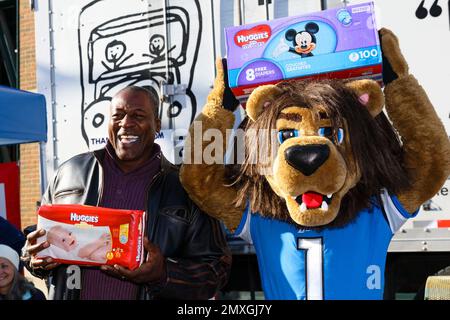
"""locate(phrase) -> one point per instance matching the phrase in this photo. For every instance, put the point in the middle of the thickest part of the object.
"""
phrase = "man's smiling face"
(132, 127)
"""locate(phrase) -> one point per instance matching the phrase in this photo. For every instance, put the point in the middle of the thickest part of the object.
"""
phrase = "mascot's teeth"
(324, 206)
(303, 207)
(329, 195)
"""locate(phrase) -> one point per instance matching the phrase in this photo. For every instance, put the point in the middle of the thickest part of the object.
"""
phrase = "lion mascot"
(322, 208)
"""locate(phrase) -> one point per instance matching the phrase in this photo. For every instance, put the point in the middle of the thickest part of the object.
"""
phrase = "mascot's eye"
(328, 133)
(283, 135)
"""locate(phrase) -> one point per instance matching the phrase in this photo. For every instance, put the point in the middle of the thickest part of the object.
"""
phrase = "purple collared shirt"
(120, 191)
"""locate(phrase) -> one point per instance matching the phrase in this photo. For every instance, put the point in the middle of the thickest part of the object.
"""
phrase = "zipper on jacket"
(67, 192)
(102, 177)
(147, 208)
(156, 176)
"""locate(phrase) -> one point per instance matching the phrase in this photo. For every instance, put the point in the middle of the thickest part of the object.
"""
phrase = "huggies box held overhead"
(87, 235)
(338, 43)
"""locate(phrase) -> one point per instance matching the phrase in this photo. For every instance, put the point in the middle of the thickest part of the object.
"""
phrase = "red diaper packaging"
(87, 235)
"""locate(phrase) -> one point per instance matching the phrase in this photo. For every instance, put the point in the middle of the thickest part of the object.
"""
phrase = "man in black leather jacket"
(187, 254)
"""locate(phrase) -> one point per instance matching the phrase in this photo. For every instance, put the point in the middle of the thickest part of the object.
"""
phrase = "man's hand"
(31, 249)
(152, 270)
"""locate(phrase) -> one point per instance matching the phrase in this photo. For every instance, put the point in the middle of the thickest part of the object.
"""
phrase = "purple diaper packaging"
(340, 43)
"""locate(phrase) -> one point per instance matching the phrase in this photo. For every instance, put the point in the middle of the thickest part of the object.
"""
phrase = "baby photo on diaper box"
(88, 235)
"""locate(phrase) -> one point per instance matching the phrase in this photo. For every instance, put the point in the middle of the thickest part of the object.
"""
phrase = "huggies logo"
(253, 37)
(83, 218)
(139, 249)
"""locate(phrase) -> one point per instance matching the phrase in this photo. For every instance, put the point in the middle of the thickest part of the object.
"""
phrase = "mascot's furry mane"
(375, 148)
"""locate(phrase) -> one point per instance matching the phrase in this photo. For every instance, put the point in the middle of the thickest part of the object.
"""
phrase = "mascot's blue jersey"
(343, 263)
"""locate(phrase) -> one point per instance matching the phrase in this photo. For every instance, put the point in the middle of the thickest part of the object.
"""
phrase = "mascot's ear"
(261, 98)
(370, 95)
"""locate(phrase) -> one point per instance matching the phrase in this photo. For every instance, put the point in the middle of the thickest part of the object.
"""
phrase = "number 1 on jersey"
(313, 248)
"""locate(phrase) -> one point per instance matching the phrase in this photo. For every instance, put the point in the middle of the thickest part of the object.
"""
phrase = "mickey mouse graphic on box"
(337, 43)
(304, 42)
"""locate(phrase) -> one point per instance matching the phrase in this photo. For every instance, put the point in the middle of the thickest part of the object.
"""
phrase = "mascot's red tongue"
(312, 200)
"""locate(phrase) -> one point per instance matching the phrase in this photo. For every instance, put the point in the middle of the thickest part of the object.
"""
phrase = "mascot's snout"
(307, 158)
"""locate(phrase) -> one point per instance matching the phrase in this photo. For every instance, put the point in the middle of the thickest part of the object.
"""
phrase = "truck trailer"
(86, 50)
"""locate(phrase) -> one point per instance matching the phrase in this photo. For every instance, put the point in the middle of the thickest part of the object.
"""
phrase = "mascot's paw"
(394, 64)
(205, 181)
(215, 97)
(221, 95)
(229, 100)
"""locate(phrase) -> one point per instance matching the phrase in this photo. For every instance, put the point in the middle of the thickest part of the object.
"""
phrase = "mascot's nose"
(308, 158)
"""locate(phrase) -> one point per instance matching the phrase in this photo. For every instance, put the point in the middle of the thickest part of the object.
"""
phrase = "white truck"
(87, 50)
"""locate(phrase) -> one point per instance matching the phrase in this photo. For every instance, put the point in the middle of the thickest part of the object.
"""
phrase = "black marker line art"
(430, 205)
(435, 10)
(131, 49)
(421, 11)
(114, 51)
(156, 49)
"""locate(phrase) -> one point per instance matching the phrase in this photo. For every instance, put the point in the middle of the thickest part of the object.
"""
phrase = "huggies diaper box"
(88, 235)
(335, 43)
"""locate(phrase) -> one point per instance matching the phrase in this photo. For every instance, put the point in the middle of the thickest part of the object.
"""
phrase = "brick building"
(29, 153)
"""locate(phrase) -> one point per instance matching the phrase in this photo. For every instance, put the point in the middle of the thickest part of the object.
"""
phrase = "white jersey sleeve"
(395, 213)
(243, 230)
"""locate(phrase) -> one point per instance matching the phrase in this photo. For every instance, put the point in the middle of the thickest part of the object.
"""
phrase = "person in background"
(13, 285)
(11, 236)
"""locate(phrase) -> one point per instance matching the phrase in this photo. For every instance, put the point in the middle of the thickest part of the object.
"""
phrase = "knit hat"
(10, 254)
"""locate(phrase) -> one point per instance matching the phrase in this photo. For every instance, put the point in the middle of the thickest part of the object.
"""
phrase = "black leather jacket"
(197, 257)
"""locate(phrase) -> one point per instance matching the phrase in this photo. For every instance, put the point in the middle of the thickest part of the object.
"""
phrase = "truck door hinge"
(168, 90)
